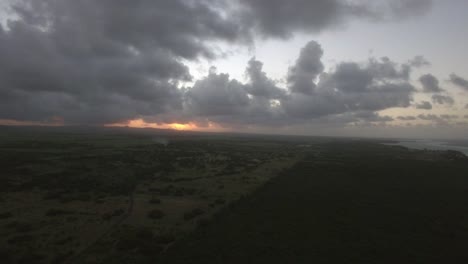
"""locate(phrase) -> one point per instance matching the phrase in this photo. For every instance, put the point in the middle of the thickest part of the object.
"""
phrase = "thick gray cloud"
(302, 75)
(430, 84)
(350, 88)
(425, 105)
(98, 62)
(283, 18)
(103, 61)
(260, 84)
(350, 93)
(217, 95)
(459, 81)
(443, 99)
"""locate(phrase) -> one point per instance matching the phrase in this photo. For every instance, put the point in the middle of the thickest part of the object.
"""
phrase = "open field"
(124, 196)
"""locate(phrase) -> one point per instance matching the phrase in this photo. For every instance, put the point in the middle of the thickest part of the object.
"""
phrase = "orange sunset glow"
(140, 123)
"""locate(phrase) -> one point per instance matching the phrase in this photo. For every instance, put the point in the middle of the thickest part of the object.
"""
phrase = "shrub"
(155, 201)
(57, 212)
(194, 213)
(156, 214)
(6, 215)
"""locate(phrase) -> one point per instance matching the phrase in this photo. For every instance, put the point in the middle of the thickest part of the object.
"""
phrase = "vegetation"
(73, 195)
(118, 196)
(350, 202)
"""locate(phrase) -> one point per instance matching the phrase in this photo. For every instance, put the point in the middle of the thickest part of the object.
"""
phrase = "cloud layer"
(107, 61)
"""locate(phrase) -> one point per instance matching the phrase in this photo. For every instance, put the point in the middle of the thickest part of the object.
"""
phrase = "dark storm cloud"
(350, 93)
(443, 99)
(302, 75)
(377, 85)
(260, 84)
(217, 95)
(282, 18)
(430, 84)
(97, 62)
(459, 81)
(425, 105)
(103, 61)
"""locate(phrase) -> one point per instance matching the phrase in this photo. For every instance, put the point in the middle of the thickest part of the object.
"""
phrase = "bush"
(194, 213)
(155, 201)
(6, 215)
(156, 214)
(115, 213)
(164, 238)
(57, 212)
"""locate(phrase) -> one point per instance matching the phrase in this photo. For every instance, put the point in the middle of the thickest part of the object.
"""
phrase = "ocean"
(461, 146)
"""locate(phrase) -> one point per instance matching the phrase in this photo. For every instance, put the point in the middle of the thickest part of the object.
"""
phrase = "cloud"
(260, 84)
(459, 81)
(302, 75)
(428, 117)
(419, 61)
(430, 84)
(283, 18)
(407, 118)
(443, 99)
(99, 62)
(425, 105)
(350, 93)
(441, 119)
(102, 61)
(448, 117)
(217, 95)
(375, 86)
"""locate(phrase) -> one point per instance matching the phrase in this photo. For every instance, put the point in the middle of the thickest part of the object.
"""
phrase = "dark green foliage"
(61, 258)
(115, 213)
(57, 212)
(165, 238)
(156, 214)
(31, 258)
(193, 214)
(6, 215)
(20, 239)
(155, 201)
(138, 243)
(20, 227)
(355, 202)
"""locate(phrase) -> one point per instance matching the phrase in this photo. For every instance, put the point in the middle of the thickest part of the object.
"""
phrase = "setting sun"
(178, 126)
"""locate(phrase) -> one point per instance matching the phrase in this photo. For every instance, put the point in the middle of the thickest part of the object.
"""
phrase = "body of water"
(432, 145)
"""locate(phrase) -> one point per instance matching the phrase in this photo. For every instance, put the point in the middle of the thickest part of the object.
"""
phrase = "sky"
(374, 68)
